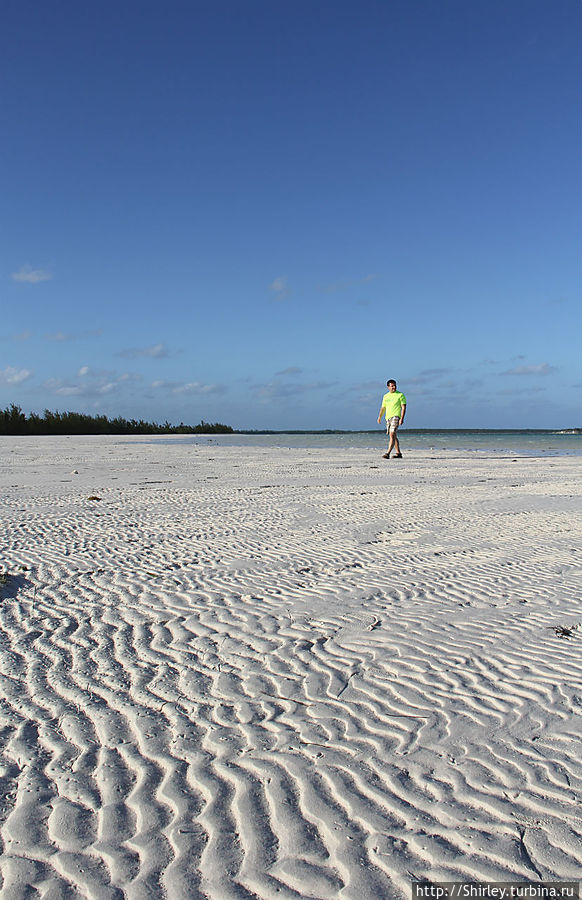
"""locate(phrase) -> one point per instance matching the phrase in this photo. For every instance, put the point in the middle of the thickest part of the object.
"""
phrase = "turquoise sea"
(514, 442)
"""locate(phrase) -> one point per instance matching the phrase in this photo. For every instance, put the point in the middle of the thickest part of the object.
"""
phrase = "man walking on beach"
(394, 406)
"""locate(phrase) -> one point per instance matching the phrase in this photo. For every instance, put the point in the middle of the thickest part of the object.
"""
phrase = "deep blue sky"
(257, 211)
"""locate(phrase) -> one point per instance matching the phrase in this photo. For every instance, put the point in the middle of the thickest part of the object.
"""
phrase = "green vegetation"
(14, 421)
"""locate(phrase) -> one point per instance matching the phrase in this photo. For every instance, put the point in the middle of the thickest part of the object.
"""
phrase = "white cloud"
(23, 336)
(541, 369)
(30, 275)
(60, 336)
(100, 382)
(279, 390)
(378, 386)
(197, 388)
(10, 375)
(62, 389)
(88, 371)
(428, 376)
(346, 284)
(280, 288)
(156, 351)
(524, 392)
(292, 370)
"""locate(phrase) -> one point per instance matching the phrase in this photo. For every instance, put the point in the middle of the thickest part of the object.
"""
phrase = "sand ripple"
(286, 676)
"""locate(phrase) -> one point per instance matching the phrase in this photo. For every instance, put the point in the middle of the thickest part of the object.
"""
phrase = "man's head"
(391, 384)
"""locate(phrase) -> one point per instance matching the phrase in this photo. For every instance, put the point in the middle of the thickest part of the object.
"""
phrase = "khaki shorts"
(392, 424)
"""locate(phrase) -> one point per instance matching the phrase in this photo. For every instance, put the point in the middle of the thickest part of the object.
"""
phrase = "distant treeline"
(14, 421)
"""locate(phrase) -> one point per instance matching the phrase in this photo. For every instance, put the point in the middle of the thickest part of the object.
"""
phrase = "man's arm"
(402, 412)
(381, 413)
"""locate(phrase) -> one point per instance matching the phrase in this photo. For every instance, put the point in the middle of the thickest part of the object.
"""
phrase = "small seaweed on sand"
(93, 497)
(566, 631)
(12, 582)
(5, 581)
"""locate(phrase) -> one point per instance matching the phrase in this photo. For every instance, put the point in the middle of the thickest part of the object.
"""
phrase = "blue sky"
(256, 212)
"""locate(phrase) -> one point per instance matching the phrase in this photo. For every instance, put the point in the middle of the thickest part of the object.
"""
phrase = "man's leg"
(392, 440)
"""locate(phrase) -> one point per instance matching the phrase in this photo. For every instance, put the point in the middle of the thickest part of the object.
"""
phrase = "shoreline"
(289, 672)
(520, 443)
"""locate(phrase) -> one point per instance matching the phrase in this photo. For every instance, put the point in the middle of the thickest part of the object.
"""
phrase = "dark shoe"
(398, 456)
(386, 456)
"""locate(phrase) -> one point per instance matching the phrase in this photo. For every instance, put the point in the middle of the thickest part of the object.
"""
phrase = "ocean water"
(515, 443)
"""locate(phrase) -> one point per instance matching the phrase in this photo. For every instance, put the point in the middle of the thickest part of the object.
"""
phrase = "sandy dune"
(285, 674)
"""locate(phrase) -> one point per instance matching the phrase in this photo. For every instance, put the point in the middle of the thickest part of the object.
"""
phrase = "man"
(394, 406)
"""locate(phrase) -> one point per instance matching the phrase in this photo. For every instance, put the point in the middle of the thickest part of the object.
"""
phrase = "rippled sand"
(259, 673)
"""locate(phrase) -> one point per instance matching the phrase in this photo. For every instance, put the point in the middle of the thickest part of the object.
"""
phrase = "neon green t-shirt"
(393, 401)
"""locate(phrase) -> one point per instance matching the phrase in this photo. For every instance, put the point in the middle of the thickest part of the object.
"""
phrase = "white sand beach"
(260, 673)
